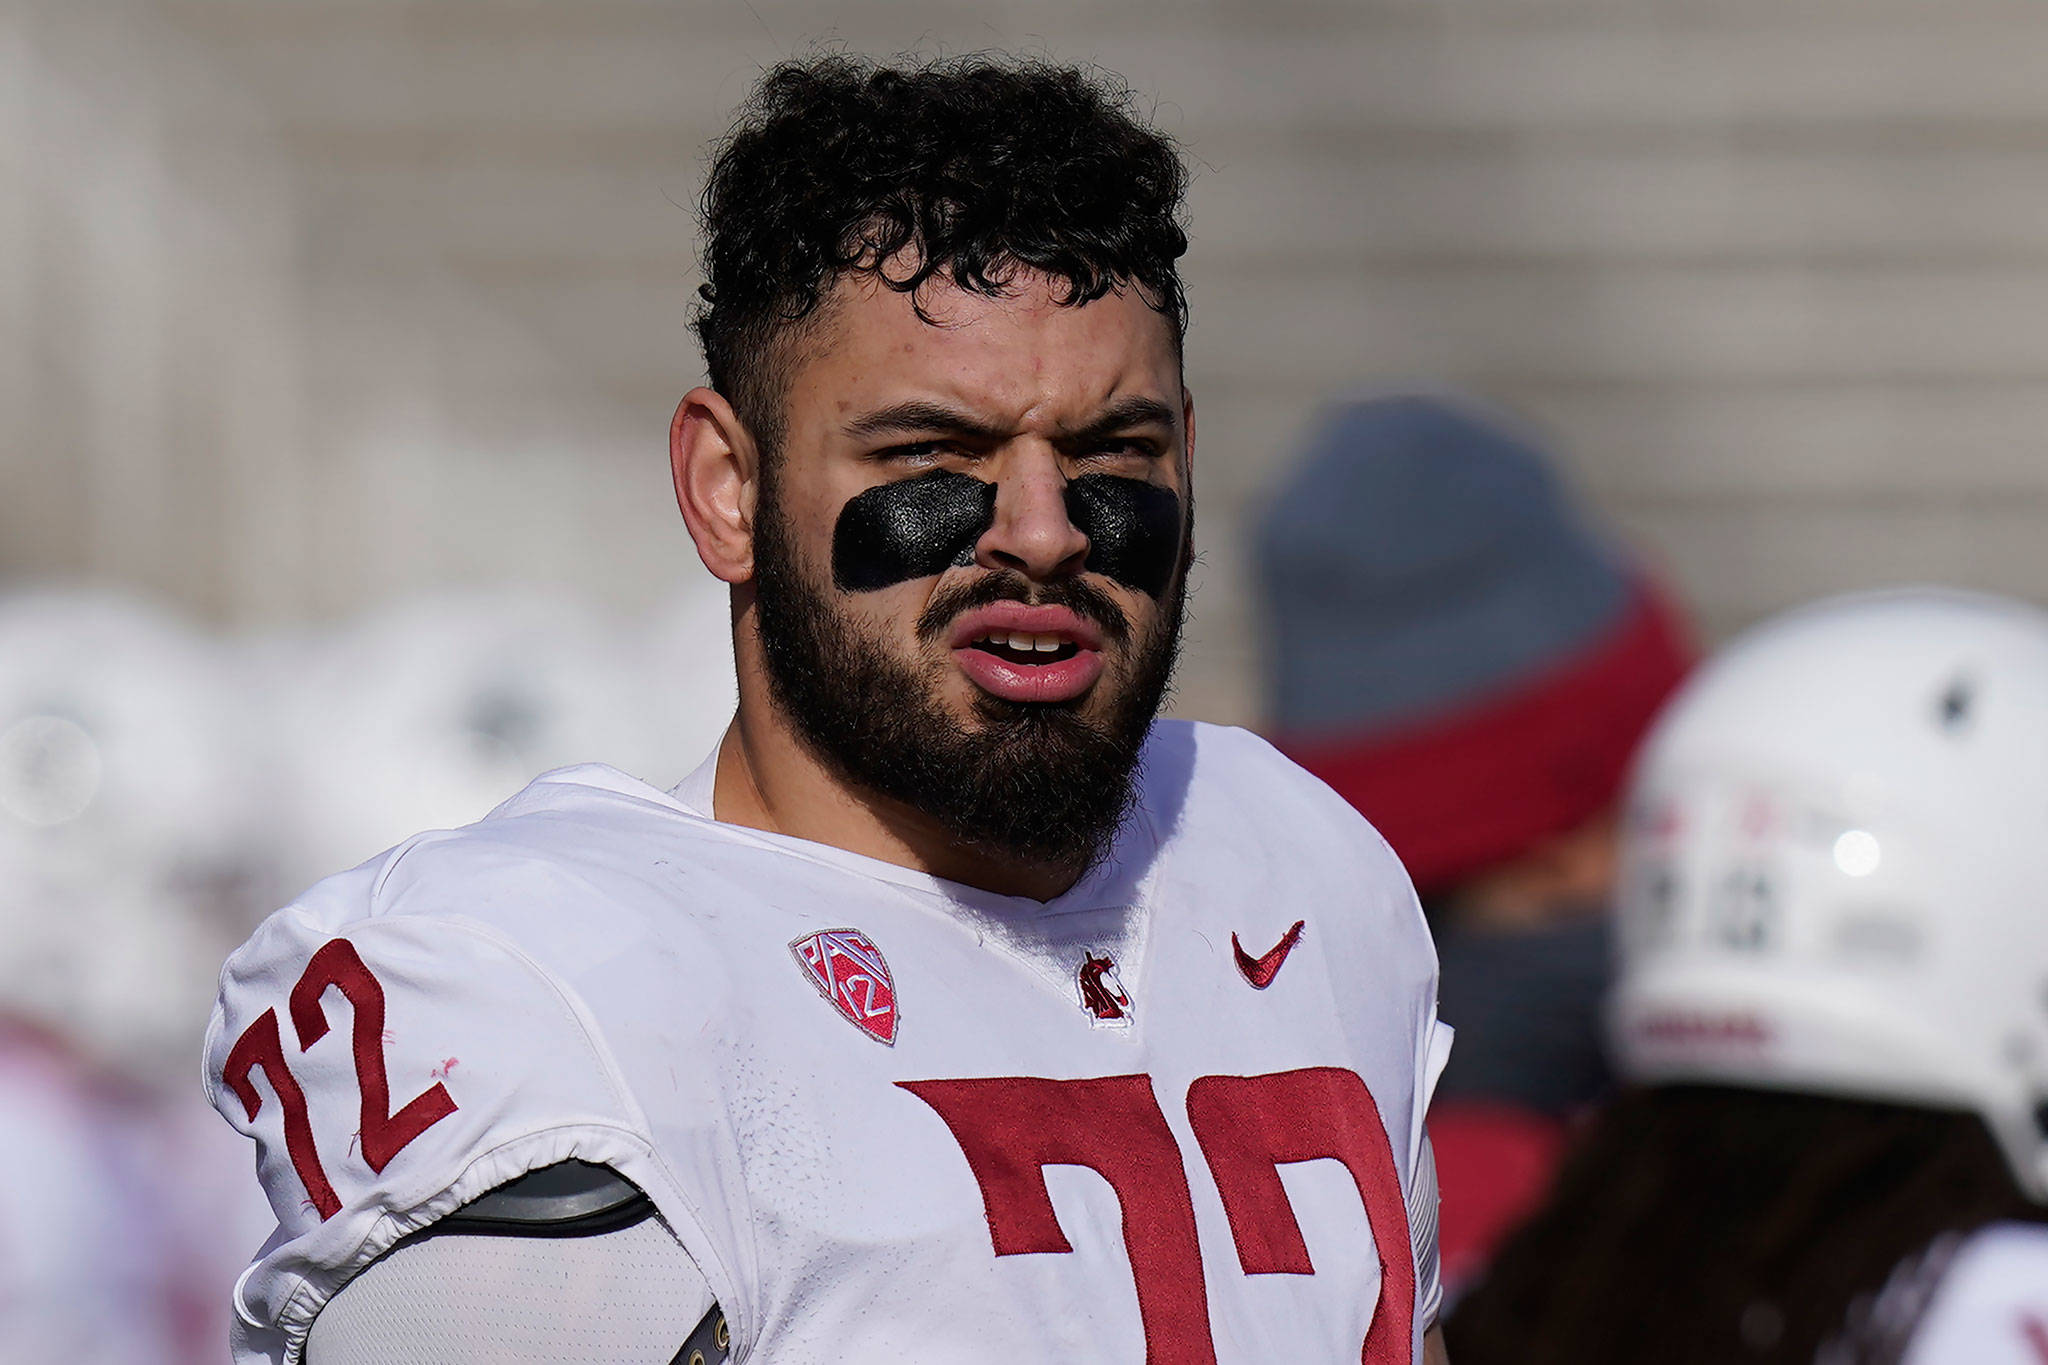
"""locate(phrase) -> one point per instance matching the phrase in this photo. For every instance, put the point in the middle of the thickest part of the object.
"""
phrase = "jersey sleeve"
(1423, 1199)
(390, 1068)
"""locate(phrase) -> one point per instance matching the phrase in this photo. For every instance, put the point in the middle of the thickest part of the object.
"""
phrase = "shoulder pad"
(567, 1199)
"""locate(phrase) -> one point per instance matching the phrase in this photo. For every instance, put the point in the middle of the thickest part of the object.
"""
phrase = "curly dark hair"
(973, 167)
(1698, 1225)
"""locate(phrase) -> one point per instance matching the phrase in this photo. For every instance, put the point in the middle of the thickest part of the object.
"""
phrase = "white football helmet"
(1835, 865)
(429, 714)
(128, 824)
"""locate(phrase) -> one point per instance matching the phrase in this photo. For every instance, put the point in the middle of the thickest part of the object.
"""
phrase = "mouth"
(1027, 650)
(1028, 654)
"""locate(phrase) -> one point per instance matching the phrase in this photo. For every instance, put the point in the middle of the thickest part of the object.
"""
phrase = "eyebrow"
(920, 415)
(1122, 415)
(924, 416)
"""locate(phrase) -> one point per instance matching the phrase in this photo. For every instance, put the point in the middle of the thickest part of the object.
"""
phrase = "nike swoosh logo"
(1261, 970)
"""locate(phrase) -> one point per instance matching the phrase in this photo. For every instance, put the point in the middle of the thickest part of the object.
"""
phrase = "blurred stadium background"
(338, 340)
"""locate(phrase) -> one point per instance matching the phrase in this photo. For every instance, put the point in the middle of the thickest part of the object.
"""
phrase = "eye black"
(912, 528)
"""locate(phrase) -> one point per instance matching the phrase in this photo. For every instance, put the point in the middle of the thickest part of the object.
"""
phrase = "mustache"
(1003, 585)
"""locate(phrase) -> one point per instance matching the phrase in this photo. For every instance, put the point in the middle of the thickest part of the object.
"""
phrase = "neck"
(769, 779)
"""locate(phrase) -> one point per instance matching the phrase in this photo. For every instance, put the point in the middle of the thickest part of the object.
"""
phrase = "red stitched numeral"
(1012, 1127)
(260, 1045)
(2035, 1330)
(384, 1133)
(1248, 1126)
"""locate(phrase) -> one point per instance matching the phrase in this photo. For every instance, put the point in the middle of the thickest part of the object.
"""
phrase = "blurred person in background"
(128, 831)
(1832, 998)
(1464, 658)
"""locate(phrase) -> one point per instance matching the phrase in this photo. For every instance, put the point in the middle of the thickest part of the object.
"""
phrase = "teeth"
(1024, 643)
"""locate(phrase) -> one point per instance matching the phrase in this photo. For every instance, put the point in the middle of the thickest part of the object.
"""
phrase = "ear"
(717, 475)
(1187, 423)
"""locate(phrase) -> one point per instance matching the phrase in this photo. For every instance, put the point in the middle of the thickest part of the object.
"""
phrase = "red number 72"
(1010, 1128)
(383, 1133)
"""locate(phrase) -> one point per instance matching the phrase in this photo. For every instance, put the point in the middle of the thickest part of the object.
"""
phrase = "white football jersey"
(1174, 1115)
(1991, 1307)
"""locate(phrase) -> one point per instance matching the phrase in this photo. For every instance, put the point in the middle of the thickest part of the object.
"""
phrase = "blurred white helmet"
(127, 824)
(428, 715)
(1835, 868)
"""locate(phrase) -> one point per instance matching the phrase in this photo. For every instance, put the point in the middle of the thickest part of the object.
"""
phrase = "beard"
(1029, 782)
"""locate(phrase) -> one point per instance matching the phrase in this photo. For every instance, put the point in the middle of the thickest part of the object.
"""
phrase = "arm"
(412, 1062)
(1433, 1348)
(568, 1265)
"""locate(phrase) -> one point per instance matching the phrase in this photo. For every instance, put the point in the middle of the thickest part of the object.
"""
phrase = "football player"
(955, 1009)
(1832, 963)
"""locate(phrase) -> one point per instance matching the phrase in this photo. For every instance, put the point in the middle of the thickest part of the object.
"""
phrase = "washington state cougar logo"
(1102, 994)
(847, 968)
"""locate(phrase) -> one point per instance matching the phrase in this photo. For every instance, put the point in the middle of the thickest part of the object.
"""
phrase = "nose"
(1032, 533)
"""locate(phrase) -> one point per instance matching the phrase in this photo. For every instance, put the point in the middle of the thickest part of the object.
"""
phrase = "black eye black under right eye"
(911, 528)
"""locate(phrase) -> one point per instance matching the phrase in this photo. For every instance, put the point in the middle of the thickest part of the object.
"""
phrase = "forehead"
(1021, 358)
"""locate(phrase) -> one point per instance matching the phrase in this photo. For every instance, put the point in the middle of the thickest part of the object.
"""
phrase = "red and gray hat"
(1454, 650)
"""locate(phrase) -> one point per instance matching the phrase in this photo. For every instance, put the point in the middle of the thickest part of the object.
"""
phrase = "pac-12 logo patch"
(847, 968)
